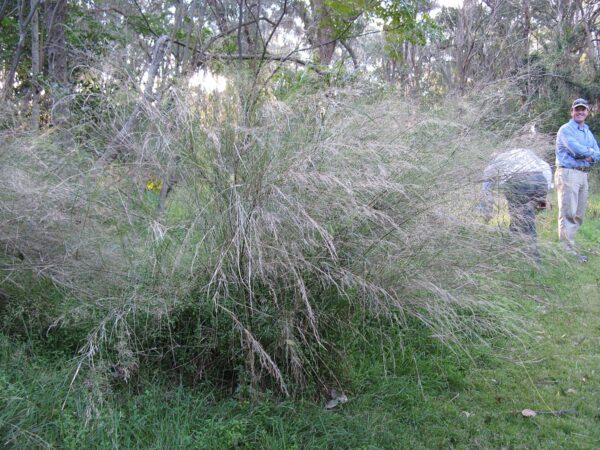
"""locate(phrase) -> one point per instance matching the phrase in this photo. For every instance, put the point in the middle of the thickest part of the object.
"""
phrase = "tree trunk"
(35, 69)
(178, 52)
(119, 143)
(467, 31)
(56, 58)
(219, 14)
(196, 55)
(591, 49)
(23, 24)
(351, 53)
(325, 33)
(460, 41)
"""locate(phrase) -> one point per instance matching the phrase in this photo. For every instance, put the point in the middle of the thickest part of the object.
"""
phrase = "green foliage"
(230, 46)
(348, 9)
(9, 37)
(83, 29)
(403, 23)
(290, 84)
(342, 16)
(551, 79)
(150, 24)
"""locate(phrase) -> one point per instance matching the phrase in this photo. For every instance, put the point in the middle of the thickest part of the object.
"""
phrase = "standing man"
(576, 152)
(525, 179)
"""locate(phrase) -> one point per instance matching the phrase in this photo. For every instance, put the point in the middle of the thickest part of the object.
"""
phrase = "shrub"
(285, 222)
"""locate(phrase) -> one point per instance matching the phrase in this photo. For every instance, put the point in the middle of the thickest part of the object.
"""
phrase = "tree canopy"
(54, 51)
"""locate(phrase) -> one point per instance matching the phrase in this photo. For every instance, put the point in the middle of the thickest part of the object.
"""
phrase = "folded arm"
(569, 139)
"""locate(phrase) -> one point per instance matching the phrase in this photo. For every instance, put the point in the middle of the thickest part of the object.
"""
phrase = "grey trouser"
(523, 193)
(572, 190)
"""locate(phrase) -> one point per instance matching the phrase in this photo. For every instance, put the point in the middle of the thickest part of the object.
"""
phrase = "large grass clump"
(239, 245)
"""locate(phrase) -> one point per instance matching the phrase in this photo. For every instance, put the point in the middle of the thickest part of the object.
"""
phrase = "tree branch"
(350, 52)
(145, 18)
(10, 78)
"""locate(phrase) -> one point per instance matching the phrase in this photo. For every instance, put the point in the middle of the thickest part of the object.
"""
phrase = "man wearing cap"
(576, 152)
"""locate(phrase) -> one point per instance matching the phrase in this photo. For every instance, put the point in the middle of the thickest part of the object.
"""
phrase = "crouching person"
(525, 179)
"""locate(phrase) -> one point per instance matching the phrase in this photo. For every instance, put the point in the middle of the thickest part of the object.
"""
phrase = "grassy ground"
(422, 394)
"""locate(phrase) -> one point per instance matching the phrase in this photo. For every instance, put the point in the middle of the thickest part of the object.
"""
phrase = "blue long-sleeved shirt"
(574, 143)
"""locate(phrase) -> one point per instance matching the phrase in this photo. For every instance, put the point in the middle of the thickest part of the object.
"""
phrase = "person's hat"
(580, 102)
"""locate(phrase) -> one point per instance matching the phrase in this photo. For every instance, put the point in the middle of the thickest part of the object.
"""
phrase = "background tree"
(56, 57)
(548, 46)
